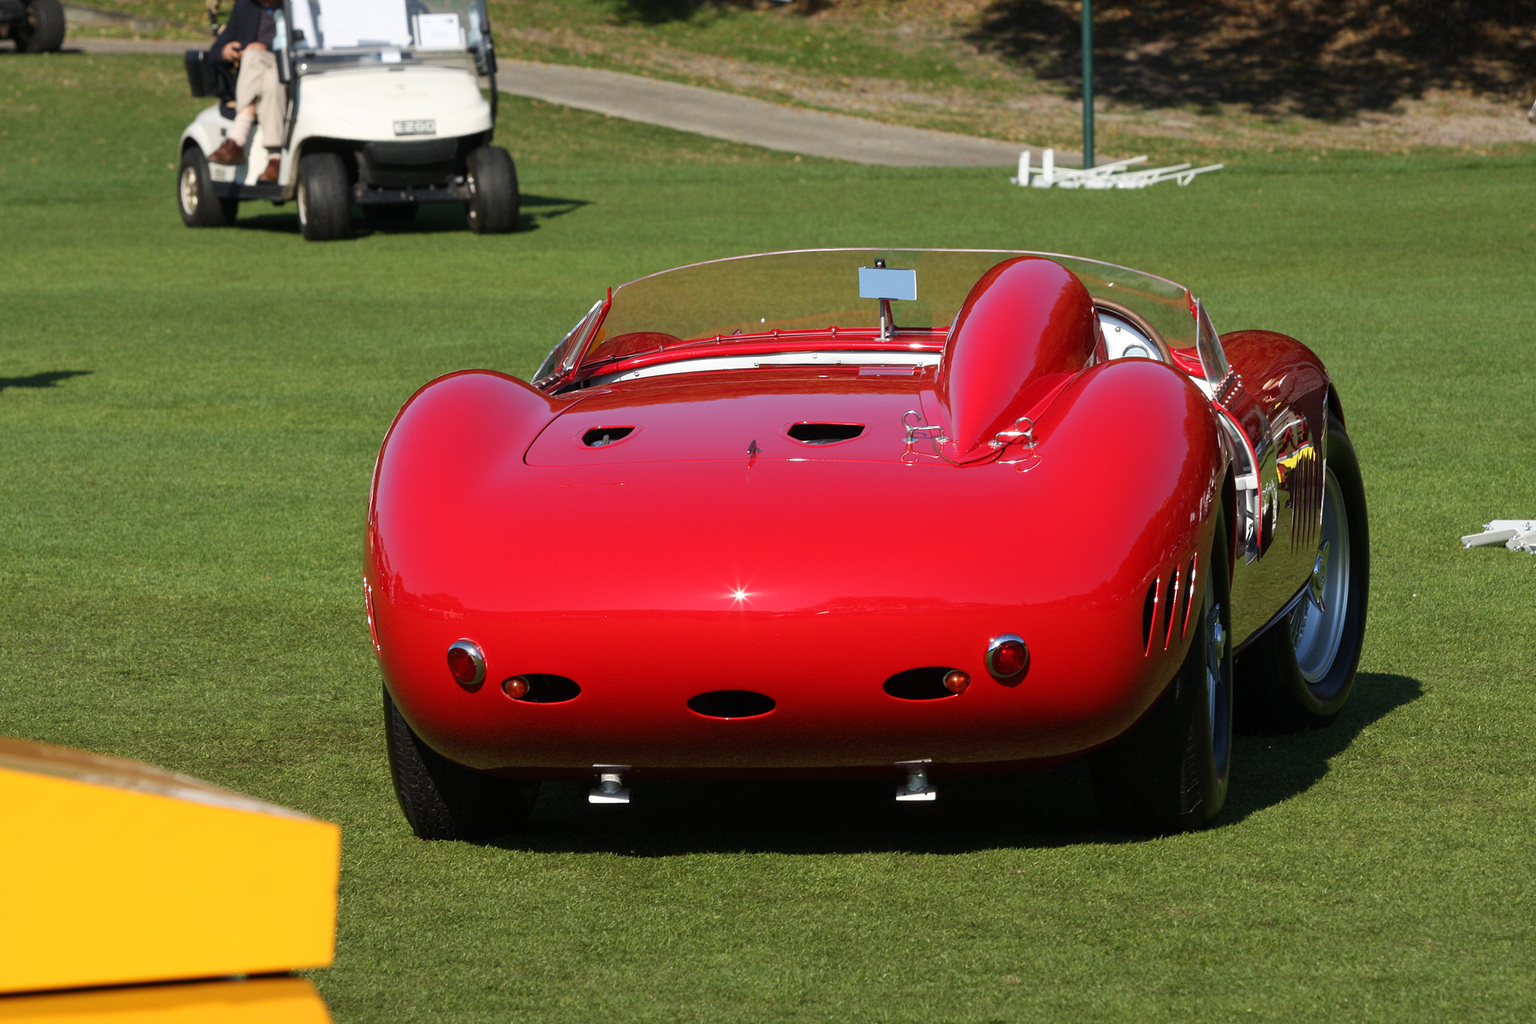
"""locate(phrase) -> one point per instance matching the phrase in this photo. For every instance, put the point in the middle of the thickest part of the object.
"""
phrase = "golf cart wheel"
(43, 29)
(1170, 772)
(444, 800)
(200, 208)
(325, 200)
(493, 199)
(1300, 672)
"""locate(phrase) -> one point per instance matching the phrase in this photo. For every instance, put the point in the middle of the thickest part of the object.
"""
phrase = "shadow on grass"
(1269, 770)
(47, 379)
(1040, 809)
(1323, 60)
(430, 218)
(659, 12)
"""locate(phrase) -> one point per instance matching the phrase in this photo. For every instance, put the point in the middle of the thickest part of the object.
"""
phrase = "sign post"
(1087, 84)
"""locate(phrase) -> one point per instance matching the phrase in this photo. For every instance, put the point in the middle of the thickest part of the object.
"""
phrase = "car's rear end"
(666, 577)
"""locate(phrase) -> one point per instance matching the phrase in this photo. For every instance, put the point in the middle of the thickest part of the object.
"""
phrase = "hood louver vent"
(825, 433)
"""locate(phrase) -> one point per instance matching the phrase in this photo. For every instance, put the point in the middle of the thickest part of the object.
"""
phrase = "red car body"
(703, 543)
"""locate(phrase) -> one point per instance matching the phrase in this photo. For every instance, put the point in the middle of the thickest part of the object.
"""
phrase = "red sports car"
(864, 512)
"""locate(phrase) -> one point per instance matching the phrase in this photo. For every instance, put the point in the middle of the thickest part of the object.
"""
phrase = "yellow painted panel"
(118, 872)
(256, 1001)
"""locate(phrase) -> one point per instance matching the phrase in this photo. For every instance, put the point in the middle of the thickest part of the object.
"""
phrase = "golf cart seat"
(213, 78)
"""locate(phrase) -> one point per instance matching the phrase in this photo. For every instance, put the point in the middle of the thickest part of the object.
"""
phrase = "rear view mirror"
(887, 283)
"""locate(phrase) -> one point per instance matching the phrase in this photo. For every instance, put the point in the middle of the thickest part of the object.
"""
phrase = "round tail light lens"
(956, 681)
(1007, 658)
(515, 687)
(467, 664)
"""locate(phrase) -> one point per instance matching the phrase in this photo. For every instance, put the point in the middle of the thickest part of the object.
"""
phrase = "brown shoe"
(269, 176)
(229, 153)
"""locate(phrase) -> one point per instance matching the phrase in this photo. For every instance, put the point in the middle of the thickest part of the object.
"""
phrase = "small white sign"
(438, 32)
(221, 172)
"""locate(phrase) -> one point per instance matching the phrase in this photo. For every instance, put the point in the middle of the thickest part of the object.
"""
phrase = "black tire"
(43, 29)
(493, 198)
(385, 214)
(200, 208)
(1170, 772)
(1299, 673)
(325, 197)
(445, 800)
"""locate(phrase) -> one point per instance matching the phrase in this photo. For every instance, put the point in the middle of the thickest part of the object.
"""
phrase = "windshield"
(346, 30)
(744, 299)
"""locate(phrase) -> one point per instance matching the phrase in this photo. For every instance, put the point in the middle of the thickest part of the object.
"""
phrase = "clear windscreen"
(744, 298)
(407, 29)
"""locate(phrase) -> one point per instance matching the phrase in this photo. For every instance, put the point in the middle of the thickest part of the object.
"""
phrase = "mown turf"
(188, 420)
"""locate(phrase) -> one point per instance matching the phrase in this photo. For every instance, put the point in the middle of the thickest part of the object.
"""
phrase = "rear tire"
(200, 207)
(325, 199)
(1299, 673)
(493, 200)
(445, 800)
(43, 29)
(1170, 772)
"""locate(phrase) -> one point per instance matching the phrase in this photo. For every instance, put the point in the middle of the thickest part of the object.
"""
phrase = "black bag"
(209, 77)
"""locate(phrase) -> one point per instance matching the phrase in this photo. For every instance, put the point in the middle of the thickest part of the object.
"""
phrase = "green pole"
(1087, 84)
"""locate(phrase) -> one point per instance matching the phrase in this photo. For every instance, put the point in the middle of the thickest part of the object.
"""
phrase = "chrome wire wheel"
(189, 190)
(1318, 623)
(1299, 672)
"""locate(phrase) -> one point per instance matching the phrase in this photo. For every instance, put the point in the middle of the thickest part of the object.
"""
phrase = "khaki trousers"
(258, 84)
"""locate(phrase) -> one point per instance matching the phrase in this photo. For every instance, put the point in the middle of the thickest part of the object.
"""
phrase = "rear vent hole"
(825, 433)
(919, 684)
(601, 437)
(546, 689)
(731, 704)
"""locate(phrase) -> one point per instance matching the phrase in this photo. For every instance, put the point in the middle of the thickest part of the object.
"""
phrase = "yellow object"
(257, 1001)
(114, 871)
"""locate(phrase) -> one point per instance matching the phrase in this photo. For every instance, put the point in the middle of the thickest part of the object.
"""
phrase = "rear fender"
(436, 467)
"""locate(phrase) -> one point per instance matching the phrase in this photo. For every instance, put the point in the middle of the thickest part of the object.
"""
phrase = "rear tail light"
(1007, 658)
(956, 681)
(467, 663)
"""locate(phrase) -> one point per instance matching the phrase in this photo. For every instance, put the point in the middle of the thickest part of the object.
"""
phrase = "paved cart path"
(755, 122)
(721, 115)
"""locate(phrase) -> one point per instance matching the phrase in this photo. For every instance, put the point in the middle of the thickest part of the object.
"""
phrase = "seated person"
(259, 95)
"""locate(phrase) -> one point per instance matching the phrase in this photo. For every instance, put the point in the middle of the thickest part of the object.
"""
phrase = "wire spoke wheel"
(1299, 672)
(1317, 624)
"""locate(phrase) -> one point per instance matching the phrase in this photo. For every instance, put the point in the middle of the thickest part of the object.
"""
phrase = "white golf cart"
(385, 112)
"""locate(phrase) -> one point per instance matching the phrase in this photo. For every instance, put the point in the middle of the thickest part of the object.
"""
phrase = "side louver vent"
(1165, 613)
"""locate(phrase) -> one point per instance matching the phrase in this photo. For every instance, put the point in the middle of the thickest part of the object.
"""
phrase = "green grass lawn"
(188, 421)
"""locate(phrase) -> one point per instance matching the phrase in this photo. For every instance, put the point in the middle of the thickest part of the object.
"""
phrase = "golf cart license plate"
(427, 127)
